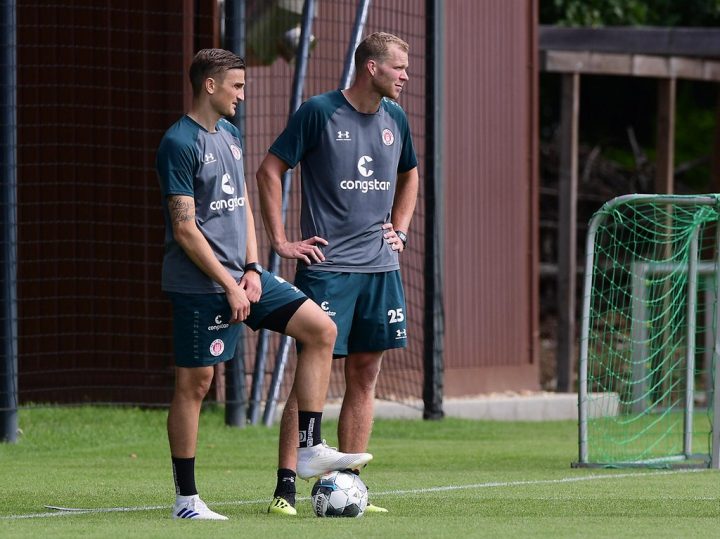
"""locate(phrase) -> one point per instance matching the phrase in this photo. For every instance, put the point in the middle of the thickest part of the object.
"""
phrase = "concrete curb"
(534, 407)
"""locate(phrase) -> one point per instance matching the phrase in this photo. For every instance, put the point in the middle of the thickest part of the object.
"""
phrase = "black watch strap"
(402, 236)
(253, 266)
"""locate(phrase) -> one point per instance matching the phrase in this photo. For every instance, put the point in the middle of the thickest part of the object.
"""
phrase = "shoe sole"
(351, 465)
(375, 509)
(282, 512)
(199, 517)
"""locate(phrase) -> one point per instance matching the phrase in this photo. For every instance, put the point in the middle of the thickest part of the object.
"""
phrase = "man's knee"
(361, 372)
(321, 333)
(311, 327)
(327, 333)
(194, 383)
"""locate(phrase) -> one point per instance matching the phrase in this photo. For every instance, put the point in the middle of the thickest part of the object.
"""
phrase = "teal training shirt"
(349, 164)
(208, 167)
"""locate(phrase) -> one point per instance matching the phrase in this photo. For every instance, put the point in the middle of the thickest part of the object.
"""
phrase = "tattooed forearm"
(181, 210)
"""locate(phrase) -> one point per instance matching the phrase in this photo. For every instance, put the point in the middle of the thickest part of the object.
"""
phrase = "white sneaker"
(320, 459)
(193, 507)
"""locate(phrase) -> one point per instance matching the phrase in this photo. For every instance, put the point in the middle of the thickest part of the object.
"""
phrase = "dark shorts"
(201, 333)
(367, 308)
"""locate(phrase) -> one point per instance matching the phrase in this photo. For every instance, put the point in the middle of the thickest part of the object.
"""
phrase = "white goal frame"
(639, 271)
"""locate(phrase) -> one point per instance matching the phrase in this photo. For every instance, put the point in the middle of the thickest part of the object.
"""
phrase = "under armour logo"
(343, 135)
(400, 333)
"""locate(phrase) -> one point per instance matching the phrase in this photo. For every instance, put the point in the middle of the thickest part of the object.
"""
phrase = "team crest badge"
(217, 347)
(387, 137)
(237, 154)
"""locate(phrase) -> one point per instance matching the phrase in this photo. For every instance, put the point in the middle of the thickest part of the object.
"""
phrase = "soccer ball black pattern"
(339, 494)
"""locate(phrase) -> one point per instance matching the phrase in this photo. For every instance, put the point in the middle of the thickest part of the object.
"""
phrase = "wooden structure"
(666, 54)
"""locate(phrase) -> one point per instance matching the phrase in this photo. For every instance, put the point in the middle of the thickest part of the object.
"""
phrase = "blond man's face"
(390, 75)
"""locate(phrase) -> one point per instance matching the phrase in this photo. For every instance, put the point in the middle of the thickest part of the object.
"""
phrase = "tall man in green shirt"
(359, 188)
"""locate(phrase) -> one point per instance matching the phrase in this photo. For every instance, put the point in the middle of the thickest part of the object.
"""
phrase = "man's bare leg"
(316, 333)
(191, 386)
(356, 414)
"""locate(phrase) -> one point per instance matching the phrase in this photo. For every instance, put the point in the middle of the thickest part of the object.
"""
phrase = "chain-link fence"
(97, 85)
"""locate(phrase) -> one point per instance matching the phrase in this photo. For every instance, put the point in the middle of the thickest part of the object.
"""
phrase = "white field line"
(65, 511)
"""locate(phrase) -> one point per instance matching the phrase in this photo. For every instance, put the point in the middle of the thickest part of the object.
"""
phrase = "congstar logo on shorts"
(218, 324)
(325, 306)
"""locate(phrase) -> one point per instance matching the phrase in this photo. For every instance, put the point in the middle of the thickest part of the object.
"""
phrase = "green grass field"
(450, 478)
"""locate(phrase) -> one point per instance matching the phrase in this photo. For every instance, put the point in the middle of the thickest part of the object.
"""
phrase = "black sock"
(184, 476)
(309, 423)
(285, 485)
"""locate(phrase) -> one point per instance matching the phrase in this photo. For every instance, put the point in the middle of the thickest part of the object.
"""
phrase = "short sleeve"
(176, 167)
(301, 134)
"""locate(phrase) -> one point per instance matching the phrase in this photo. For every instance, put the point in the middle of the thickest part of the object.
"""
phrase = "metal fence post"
(301, 63)
(235, 390)
(8, 213)
(433, 316)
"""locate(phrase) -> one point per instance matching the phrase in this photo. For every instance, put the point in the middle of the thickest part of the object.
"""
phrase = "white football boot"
(321, 459)
(193, 507)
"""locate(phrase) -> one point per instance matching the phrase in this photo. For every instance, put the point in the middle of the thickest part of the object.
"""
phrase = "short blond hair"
(376, 47)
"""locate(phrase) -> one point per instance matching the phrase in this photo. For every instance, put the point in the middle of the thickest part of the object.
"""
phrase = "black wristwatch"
(253, 266)
(403, 237)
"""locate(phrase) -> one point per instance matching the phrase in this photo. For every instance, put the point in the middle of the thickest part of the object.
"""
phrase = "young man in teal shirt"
(212, 276)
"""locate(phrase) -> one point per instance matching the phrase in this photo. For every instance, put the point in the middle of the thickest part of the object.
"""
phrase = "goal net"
(648, 393)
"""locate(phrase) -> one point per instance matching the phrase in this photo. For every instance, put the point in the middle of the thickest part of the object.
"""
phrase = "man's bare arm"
(403, 207)
(189, 237)
(269, 179)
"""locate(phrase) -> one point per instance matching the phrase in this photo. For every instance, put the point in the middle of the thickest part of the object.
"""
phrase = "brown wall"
(489, 158)
(98, 85)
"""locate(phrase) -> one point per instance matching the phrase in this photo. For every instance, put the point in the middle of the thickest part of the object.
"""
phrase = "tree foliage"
(630, 103)
(596, 13)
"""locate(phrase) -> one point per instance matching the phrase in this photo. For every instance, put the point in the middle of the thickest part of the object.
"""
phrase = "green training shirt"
(208, 167)
(349, 164)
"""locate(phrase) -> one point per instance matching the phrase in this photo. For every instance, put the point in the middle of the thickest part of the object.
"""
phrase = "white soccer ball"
(339, 494)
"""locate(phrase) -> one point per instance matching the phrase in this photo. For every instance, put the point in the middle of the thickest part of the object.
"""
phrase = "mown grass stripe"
(66, 511)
